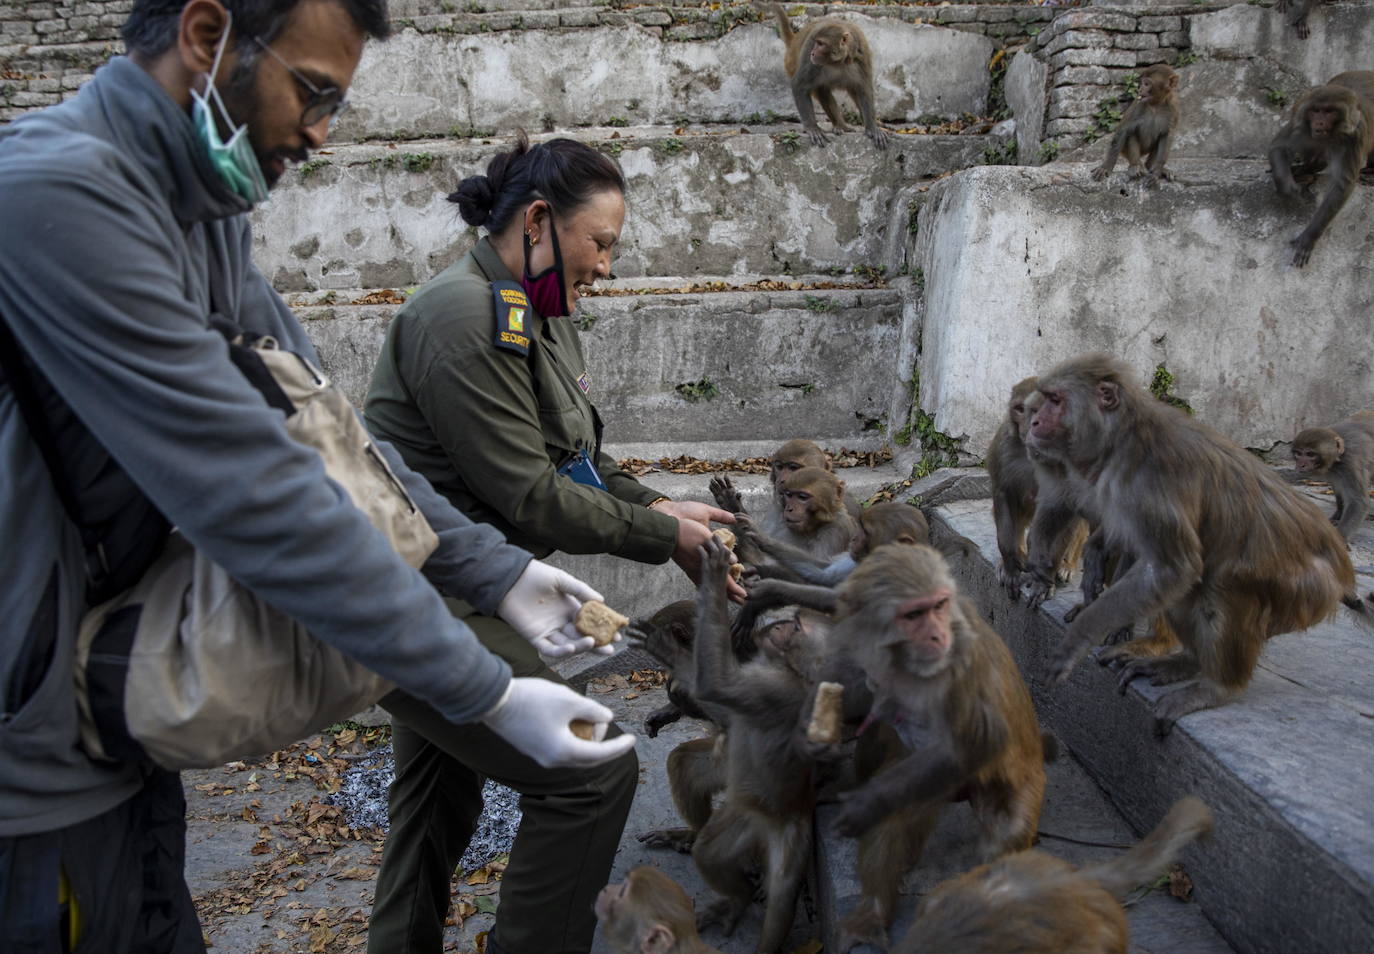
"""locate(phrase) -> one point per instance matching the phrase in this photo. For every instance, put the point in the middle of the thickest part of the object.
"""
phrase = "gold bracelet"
(657, 500)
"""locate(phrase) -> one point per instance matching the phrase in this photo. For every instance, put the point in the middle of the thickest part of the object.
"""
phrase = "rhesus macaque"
(1146, 131)
(1332, 127)
(1344, 455)
(814, 512)
(763, 823)
(829, 55)
(791, 457)
(1297, 11)
(1014, 490)
(1185, 502)
(667, 636)
(1035, 903)
(649, 913)
(1059, 532)
(947, 684)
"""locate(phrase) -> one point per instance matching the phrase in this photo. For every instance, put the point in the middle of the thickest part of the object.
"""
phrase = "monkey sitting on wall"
(1035, 903)
(825, 56)
(1332, 127)
(1183, 501)
(1146, 131)
(1344, 455)
(649, 913)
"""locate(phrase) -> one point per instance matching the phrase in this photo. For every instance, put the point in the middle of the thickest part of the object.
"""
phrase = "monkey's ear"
(839, 490)
(1108, 395)
(1173, 81)
(659, 939)
(1340, 447)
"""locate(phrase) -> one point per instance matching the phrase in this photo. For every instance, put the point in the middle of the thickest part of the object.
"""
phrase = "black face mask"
(546, 290)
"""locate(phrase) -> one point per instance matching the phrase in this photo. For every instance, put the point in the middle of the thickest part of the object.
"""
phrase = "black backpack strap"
(31, 409)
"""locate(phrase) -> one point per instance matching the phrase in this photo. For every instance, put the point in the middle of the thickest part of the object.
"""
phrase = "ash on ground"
(362, 796)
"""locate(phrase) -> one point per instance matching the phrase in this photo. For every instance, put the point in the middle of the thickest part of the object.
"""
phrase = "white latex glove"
(535, 714)
(541, 606)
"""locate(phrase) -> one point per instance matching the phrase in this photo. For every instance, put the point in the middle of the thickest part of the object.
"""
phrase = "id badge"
(583, 471)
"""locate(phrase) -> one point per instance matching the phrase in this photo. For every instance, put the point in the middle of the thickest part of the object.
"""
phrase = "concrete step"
(1194, 277)
(762, 366)
(715, 201)
(1286, 768)
(584, 65)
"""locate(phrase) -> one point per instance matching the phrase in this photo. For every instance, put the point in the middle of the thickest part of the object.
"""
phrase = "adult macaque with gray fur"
(1184, 501)
(1331, 128)
(1344, 455)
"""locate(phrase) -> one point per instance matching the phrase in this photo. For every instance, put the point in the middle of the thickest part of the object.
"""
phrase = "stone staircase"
(872, 299)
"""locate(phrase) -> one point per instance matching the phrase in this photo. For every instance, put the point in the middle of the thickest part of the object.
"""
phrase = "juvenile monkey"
(791, 457)
(1035, 903)
(1146, 132)
(889, 522)
(825, 56)
(945, 681)
(1332, 127)
(1344, 455)
(649, 913)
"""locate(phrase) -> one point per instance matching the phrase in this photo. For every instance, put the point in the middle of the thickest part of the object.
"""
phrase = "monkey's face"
(1048, 430)
(1315, 451)
(1322, 121)
(830, 46)
(924, 625)
(779, 469)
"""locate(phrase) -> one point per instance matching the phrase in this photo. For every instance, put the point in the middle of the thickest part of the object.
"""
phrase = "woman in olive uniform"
(482, 387)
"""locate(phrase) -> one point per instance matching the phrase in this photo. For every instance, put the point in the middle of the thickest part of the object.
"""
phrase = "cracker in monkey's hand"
(826, 714)
(599, 621)
(726, 536)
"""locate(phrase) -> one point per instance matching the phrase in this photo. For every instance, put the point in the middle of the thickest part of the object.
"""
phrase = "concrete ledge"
(1194, 276)
(424, 84)
(727, 203)
(1286, 769)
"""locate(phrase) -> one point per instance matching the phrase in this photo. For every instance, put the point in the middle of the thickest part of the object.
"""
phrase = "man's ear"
(202, 24)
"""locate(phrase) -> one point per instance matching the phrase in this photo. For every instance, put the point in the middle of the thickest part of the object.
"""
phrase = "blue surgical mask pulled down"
(234, 160)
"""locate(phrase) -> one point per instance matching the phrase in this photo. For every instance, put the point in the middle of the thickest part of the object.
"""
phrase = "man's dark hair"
(152, 25)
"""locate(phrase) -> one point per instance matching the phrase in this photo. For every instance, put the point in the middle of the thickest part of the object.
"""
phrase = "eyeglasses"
(321, 103)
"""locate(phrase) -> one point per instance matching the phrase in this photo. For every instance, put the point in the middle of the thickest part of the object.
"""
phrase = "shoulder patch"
(512, 315)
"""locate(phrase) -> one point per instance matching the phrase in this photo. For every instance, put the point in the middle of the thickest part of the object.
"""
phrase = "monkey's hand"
(725, 494)
(1010, 578)
(1064, 657)
(817, 137)
(1302, 249)
(857, 814)
(657, 719)
(1100, 173)
(744, 526)
(1039, 590)
(879, 136)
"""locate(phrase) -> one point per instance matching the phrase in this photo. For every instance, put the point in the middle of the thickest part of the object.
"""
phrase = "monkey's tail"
(784, 24)
(1187, 821)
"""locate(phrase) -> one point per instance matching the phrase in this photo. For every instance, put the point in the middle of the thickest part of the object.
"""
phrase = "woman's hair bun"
(474, 198)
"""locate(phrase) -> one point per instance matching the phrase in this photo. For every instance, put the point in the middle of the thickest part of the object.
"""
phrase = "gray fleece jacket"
(117, 240)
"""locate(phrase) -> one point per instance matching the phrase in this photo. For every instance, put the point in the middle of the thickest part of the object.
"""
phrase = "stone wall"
(57, 22)
(47, 50)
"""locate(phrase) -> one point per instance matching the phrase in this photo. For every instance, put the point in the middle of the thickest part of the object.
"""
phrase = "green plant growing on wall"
(670, 146)
(612, 147)
(1186, 59)
(694, 391)
(308, 169)
(997, 90)
(817, 303)
(789, 141)
(1162, 386)
(587, 322)
(872, 273)
(1277, 97)
(1003, 155)
(418, 161)
(619, 122)
(1048, 150)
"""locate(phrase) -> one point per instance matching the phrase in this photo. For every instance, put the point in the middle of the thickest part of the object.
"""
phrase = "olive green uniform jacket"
(489, 427)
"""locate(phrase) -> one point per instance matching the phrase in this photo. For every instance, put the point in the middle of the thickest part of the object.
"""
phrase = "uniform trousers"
(570, 828)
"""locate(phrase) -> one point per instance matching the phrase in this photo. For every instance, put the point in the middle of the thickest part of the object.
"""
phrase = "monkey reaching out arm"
(1331, 127)
(829, 55)
(1344, 455)
(1146, 132)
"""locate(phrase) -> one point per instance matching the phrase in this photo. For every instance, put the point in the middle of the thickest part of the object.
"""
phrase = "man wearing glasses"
(124, 255)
